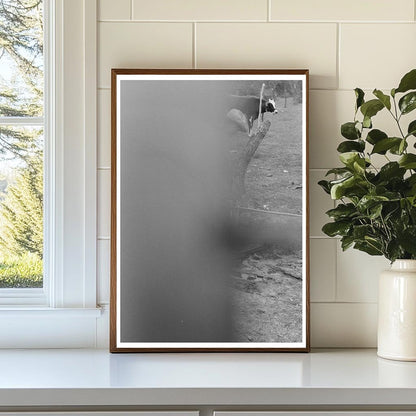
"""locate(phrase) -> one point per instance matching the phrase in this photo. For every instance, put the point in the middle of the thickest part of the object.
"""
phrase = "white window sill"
(40, 327)
(36, 312)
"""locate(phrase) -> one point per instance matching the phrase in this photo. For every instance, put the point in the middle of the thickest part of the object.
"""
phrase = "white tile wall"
(145, 45)
(103, 271)
(328, 110)
(114, 10)
(104, 202)
(345, 44)
(376, 55)
(200, 10)
(323, 269)
(338, 325)
(271, 45)
(368, 10)
(357, 275)
(104, 128)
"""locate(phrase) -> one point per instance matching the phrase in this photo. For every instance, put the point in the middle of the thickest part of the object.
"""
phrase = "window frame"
(35, 296)
(69, 292)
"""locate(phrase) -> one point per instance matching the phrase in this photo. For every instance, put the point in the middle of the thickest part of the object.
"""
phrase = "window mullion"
(22, 121)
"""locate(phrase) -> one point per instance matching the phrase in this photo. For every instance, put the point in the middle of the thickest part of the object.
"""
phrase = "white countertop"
(96, 377)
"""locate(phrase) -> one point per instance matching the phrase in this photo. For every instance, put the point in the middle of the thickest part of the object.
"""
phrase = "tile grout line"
(338, 63)
(269, 10)
(131, 9)
(336, 271)
(344, 303)
(338, 241)
(308, 22)
(194, 63)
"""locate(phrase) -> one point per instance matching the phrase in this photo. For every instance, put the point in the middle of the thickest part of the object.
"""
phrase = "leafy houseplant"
(376, 212)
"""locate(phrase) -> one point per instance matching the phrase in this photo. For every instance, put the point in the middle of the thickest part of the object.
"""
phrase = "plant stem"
(388, 234)
(397, 118)
(376, 248)
(400, 128)
(395, 106)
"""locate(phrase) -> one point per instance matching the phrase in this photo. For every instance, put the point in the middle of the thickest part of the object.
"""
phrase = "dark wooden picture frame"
(144, 104)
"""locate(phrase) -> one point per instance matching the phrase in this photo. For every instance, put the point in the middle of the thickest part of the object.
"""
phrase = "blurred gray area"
(174, 266)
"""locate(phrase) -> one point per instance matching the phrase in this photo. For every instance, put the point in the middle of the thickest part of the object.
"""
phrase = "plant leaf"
(349, 146)
(325, 186)
(349, 131)
(411, 130)
(375, 136)
(374, 242)
(338, 190)
(359, 95)
(411, 180)
(368, 201)
(342, 211)
(383, 145)
(407, 240)
(385, 99)
(361, 231)
(348, 158)
(393, 250)
(411, 186)
(391, 170)
(375, 211)
(408, 161)
(359, 165)
(408, 102)
(333, 229)
(367, 122)
(338, 171)
(346, 242)
(371, 108)
(398, 149)
(408, 82)
(368, 248)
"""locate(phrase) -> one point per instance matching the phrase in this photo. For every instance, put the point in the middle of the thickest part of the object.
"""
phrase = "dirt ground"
(267, 299)
(267, 281)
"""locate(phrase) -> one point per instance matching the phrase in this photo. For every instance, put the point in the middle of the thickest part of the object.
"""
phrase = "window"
(22, 128)
(22, 145)
(63, 312)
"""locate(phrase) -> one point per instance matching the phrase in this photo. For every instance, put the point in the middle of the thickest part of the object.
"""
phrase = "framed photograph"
(209, 210)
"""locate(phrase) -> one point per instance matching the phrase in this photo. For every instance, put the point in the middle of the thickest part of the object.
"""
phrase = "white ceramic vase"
(397, 312)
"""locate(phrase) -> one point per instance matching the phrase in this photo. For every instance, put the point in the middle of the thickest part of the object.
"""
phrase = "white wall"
(344, 43)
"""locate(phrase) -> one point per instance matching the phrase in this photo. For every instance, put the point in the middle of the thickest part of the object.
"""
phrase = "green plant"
(21, 211)
(21, 271)
(376, 212)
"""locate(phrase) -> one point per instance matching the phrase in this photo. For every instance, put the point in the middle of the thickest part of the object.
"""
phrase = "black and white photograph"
(209, 239)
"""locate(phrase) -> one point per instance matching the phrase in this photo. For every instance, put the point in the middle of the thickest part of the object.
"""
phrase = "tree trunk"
(243, 159)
